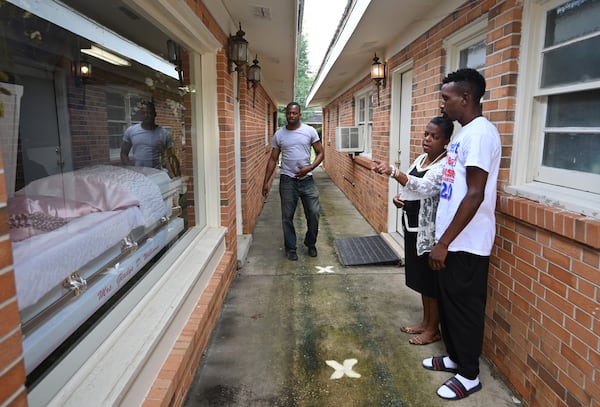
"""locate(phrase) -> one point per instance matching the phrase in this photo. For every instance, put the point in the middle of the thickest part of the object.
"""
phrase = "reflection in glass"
(572, 151)
(72, 205)
(573, 63)
(572, 20)
(576, 109)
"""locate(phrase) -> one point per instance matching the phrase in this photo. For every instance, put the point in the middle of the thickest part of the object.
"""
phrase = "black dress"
(418, 275)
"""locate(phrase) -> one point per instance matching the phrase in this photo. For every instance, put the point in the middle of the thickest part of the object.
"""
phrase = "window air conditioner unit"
(349, 139)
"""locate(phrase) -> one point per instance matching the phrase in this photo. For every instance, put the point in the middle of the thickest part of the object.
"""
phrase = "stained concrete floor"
(283, 320)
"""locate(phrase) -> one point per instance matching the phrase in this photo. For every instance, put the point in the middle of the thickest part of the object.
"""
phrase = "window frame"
(127, 94)
(530, 115)
(365, 124)
(464, 38)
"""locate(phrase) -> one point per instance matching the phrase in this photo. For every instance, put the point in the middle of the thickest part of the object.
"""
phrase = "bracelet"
(394, 172)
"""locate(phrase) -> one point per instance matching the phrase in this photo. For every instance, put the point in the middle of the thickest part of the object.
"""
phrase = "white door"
(400, 142)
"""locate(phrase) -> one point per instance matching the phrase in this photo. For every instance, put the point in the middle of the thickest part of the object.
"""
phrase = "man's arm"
(270, 168)
(476, 180)
(125, 148)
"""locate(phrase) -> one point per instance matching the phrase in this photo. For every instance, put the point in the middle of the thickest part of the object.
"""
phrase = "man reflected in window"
(148, 142)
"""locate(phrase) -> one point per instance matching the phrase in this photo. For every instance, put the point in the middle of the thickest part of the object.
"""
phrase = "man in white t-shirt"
(465, 231)
(294, 142)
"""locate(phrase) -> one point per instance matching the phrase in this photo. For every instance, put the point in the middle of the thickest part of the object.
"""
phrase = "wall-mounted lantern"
(378, 74)
(253, 77)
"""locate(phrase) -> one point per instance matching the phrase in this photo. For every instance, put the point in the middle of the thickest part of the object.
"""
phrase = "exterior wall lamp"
(378, 75)
(253, 77)
(237, 54)
(83, 69)
(174, 55)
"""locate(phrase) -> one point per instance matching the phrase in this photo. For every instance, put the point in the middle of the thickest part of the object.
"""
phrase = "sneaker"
(312, 251)
(291, 255)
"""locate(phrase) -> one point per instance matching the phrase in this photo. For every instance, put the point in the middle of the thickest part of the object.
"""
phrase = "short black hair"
(149, 105)
(446, 124)
(293, 104)
(470, 80)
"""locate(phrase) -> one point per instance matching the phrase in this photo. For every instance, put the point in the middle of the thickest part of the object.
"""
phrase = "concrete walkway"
(288, 328)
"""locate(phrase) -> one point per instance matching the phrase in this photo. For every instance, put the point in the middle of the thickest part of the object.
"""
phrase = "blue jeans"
(290, 189)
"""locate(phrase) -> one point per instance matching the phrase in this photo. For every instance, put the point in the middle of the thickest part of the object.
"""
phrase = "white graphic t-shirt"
(476, 145)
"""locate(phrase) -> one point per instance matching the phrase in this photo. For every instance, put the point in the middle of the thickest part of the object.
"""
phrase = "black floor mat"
(356, 251)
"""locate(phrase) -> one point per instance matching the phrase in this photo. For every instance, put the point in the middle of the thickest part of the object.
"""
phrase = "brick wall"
(255, 152)
(12, 369)
(542, 327)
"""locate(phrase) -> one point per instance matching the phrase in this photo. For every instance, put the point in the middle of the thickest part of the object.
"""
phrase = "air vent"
(263, 13)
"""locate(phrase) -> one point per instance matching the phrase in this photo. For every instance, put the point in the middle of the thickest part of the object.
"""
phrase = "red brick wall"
(542, 329)
(12, 369)
(254, 152)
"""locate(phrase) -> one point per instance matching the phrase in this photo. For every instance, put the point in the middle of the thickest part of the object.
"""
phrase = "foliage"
(304, 79)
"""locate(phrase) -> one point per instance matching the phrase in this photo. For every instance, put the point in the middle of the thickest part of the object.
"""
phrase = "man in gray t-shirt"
(147, 141)
(294, 142)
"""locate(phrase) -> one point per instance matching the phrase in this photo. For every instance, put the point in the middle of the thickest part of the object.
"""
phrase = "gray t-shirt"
(147, 145)
(295, 147)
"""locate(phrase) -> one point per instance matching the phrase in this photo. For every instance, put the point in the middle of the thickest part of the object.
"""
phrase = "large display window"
(84, 221)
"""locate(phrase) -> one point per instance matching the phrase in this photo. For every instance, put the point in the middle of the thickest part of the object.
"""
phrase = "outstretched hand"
(381, 167)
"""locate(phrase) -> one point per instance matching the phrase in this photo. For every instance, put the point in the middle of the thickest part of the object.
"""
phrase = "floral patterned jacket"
(427, 190)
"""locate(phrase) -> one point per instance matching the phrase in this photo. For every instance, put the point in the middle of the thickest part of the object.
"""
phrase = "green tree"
(304, 79)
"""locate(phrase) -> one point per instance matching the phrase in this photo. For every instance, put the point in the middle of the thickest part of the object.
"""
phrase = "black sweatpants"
(462, 298)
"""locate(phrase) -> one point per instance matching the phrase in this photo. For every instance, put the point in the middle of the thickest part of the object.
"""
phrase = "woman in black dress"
(419, 198)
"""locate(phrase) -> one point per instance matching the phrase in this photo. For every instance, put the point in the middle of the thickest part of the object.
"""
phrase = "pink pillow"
(50, 205)
(34, 215)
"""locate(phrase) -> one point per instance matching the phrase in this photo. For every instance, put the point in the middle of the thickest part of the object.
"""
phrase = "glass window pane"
(361, 109)
(473, 56)
(578, 109)
(115, 112)
(61, 134)
(559, 67)
(572, 20)
(370, 118)
(572, 151)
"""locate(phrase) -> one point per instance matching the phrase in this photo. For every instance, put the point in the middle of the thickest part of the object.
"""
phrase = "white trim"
(358, 9)
(469, 35)
(365, 93)
(83, 26)
(399, 118)
(206, 135)
(123, 368)
(237, 158)
(181, 22)
(529, 120)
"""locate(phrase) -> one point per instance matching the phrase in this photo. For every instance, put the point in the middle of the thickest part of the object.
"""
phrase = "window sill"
(127, 356)
(571, 214)
(578, 202)
(364, 161)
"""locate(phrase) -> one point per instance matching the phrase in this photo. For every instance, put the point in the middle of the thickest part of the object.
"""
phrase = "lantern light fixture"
(237, 54)
(253, 77)
(83, 69)
(238, 50)
(378, 74)
(174, 56)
